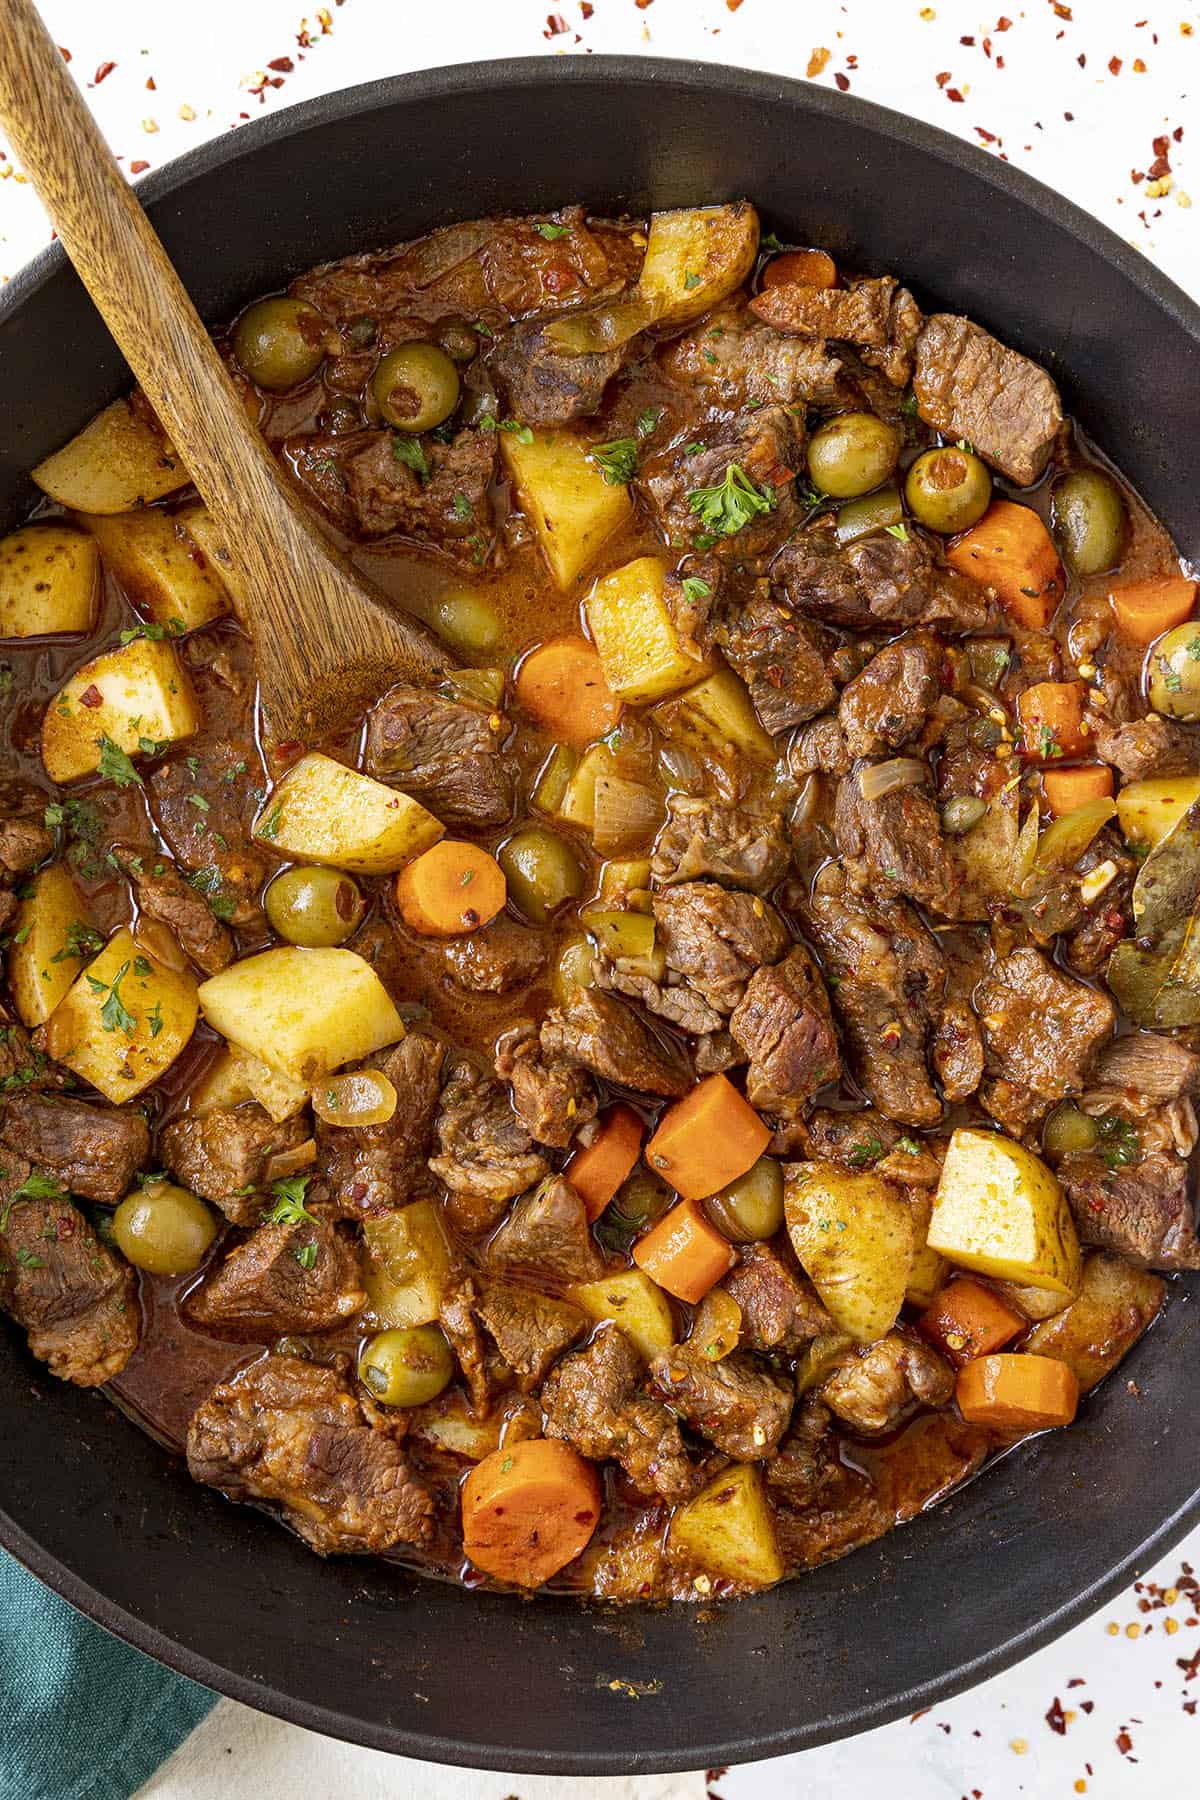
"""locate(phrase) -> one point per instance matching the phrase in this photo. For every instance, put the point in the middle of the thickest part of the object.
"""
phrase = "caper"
(1173, 672)
(458, 340)
(1068, 1129)
(542, 872)
(279, 342)
(163, 1229)
(416, 386)
(948, 489)
(852, 454)
(752, 1206)
(961, 812)
(406, 1367)
(313, 906)
(1089, 520)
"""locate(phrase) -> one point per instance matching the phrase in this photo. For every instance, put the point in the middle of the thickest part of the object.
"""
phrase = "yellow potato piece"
(276, 1093)
(449, 1423)
(638, 645)
(160, 566)
(1150, 810)
(302, 1012)
(124, 1020)
(716, 717)
(223, 1084)
(635, 1303)
(49, 581)
(1000, 1211)
(137, 696)
(696, 256)
(571, 507)
(323, 812)
(856, 1239)
(728, 1530)
(115, 463)
(48, 944)
(928, 1273)
(409, 1266)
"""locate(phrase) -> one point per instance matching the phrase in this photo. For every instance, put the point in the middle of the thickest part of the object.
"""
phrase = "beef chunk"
(443, 753)
(734, 1403)
(674, 1000)
(552, 1096)
(163, 894)
(1041, 1032)
(76, 1299)
(542, 387)
(224, 1155)
(957, 1051)
(878, 1385)
(361, 481)
(1144, 1210)
(733, 362)
(609, 1038)
(895, 358)
(456, 1316)
(498, 959)
(893, 845)
(778, 657)
(886, 706)
(281, 1279)
(215, 845)
(768, 448)
(531, 1329)
(819, 748)
(547, 1232)
(784, 1026)
(969, 385)
(715, 938)
(24, 843)
(859, 314)
(807, 1459)
(592, 1400)
(780, 1308)
(94, 1151)
(373, 1168)
(705, 839)
(880, 580)
(1146, 747)
(485, 1155)
(1147, 1063)
(295, 1434)
(864, 1139)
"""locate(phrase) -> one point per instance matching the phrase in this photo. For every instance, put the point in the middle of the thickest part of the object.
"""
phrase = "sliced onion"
(680, 769)
(879, 779)
(287, 1162)
(158, 941)
(365, 1097)
(444, 250)
(627, 814)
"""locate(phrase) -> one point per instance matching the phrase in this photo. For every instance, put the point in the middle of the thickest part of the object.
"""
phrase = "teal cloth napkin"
(82, 1716)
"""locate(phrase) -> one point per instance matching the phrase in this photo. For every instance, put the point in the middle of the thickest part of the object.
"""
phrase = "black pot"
(354, 1648)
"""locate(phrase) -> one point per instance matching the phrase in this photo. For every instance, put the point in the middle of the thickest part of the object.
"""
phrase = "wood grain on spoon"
(325, 642)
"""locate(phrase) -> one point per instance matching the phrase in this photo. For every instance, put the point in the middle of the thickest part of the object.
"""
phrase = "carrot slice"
(968, 1320)
(561, 685)
(1065, 790)
(450, 889)
(1051, 715)
(806, 268)
(1011, 551)
(528, 1509)
(684, 1253)
(597, 1171)
(1017, 1392)
(707, 1139)
(1143, 610)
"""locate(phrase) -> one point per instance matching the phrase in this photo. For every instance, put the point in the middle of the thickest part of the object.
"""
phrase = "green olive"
(948, 489)
(852, 454)
(467, 620)
(574, 967)
(1089, 521)
(280, 342)
(314, 907)
(163, 1229)
(458, 340)
(752, 1206)
(1173, 672)
(542, 872)
(416, 386)
(961, 813)
(1068, 1129)
(406, 1367)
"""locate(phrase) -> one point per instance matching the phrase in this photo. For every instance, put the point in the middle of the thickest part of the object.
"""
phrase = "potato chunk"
(52, 935)
(115, 463)
(1000, 1211)
(1150, 810)
(635, 1303)
(1113, 1307)
(136, 697)
(323, 812)
(572, 508)
(124, 1020)
(856, 1239)
(449, 1423)
(409, 1268)
(160, 566)
(49, 581)
(715, 717)
(223, 1084)
(302, 1012)
(728, 1530)
(639, 647)
(695, 256)
(276, 1093)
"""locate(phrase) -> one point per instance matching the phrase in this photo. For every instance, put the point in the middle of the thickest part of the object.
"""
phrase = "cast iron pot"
(351, 1647)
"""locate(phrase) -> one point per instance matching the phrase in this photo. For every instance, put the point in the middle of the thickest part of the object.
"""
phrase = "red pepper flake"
(64, 53)
(816, 62)
(282, 65)
(968, 41)
(989, 137)
(642, 5)
(1139, 67)
(1081, 59)
(1136, 175)
(733, 4)
(987, 47)
(139, 167)
(953, 94)
(1069, 117)
(1114, 65)
(103, 73)
(555, 25)
(1124, 1744)
(91, 696)
(1177, 134)
(1003, 24)
(1056, 1719)
(1087, 1706)
(711, 1775)
(586, 8)
(943, 78)
(1060, 11)
(852, 62)
(919, 1714)
(843, 81)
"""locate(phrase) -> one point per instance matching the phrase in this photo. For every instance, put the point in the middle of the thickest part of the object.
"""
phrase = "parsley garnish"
(691, 280)
(7, 677)
(897, 531)
(647, 421)
(1120, 1142)
(82, 941)
(289, 1207)
(522, 433)
(462, 507)
(306, 1255)
(154, 1019)
(115, 765)
(867, 1152)
(269, 828)
(151, 629)
(694, 588)
(114, 1014)
(411, 452)
(617, 461)
(768, 241)
(729, 507)
(28, 1260)
(35, 1187)
(551, 232)
(909, 1146)
(908, 406)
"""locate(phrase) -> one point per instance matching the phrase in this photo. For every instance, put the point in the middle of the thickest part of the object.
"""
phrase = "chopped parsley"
(36, 1186)
(153, 746)
(730, 506)
(289, 1207)
(462, 507)
(1120, 1143)
(908, 406)
(82, 941)
(1046, 746)
(306, 1255)
(411, 452)
(1193, 649)
(114, 1014)
(768, 241)
(909, 1146)
(29, 1260)
(152, 629)
(550, 232)
(694, 588)
(269, 828)
(7, 677)
(154, 1018)
(522, 433)
(647, 421)
(897, 531)
(867, 1152)
(115, 765)
(691, 280)
(617, 461)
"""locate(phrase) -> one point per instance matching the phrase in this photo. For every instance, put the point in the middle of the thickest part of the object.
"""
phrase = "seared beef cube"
(1150, 1064)
(498, 959)
(784, 1026)
(693, 607)
(540, 386)
(485, 1155)
(780, 1308)
(859, 314)
(733, 362)
(547, 1233)
(610, 1039)
(531, 1329)
(1146, 747)
(887, 704)
(768, 450)
(449, 510)
(74, 1296)
(295, 1434)
(705, 838)
(956, 1051)
(225, 1155)
(880, 580)
(715, 938)
(24, 843)
(674, 1000)
(1143, 1210)
(819, 748)
(373, 1168)
(807, 1459)
(969, 385)
(94, 1151)
(214, 844)
(442, 752)
(895, 358)
(735, 1403)
(456, 1316)
(878, 1385)
(864, 1139)
(552, 1096)
(282, 1279)
(592, 1400)
(163, 894)
(893, 844)
(781, 662)
(1041, 1031)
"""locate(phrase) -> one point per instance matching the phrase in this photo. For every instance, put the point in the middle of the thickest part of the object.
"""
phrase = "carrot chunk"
(684, 1253)
(1011, 551)
(597, 1171)
(1017, 1392)
(1051, 715)
(804, 268)
(968, 1320)
(707, 1139)
(528, 1510)
(561, 686)
(1143, 610)
(450, 889)
(1065, 790)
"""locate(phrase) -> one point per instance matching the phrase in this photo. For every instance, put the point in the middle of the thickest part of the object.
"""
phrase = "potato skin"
(639, 647)
(856, 1238)
(563, 494)
(161, 566)
(49, 581)
(117, 1059)
(322, 812)
(140, 693)
(1115, 1304)
(42, 965)
(1000, 1211)
(728, 1530)
(302, 1012)
(695, 257)
(115, 463)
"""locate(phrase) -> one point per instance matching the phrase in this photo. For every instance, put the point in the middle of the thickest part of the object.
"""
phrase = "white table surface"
(1046, 94)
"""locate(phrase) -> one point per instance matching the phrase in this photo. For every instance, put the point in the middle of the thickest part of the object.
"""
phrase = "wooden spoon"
(326, 643)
